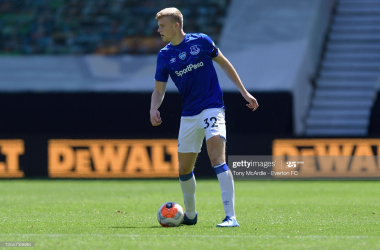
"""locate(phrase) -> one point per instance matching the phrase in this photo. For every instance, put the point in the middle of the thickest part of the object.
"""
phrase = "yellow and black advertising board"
(112, 158)
(157, 158)
(331, 158)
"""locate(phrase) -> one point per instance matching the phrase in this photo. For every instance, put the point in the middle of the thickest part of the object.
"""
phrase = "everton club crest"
(182, 55)
(194, 50)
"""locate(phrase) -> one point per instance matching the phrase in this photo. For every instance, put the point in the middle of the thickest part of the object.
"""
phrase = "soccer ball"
(170, 214)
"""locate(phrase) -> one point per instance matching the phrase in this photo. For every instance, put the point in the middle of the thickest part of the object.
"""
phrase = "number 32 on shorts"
(213, 120)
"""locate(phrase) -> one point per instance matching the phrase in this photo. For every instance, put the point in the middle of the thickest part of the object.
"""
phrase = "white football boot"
(228, 222)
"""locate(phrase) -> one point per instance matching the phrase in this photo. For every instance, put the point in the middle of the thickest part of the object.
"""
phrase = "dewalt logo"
(355, 158)
(112, 158)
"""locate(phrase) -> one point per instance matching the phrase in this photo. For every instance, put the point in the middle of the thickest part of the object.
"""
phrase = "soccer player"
(188, 59)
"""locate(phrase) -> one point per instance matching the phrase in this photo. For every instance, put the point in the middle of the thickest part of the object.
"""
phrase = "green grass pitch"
(121, 214)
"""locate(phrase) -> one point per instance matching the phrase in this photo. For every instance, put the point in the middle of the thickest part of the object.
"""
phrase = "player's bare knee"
(185, 170)
(216, 159)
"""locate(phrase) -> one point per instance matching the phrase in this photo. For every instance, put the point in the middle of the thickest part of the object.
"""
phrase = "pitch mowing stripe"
(200, 236)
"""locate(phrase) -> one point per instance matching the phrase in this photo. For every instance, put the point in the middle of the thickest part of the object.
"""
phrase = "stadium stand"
(101, 27)
(345, 89)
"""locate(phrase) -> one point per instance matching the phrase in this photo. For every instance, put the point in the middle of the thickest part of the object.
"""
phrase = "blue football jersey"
(190, 66)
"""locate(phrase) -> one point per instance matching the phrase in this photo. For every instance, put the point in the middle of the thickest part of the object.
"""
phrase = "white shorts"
(193, 129)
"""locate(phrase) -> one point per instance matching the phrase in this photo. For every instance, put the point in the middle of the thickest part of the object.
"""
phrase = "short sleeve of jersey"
(211, 49)
(162, 74)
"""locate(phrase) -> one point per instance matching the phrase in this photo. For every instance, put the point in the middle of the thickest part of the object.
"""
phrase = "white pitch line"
(201, 236)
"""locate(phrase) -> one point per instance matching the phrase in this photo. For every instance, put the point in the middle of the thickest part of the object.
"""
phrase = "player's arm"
(157, 98)
(231, 73)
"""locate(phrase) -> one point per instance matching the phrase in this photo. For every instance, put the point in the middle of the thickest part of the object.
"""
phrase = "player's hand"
(155, 117)
(252, 102)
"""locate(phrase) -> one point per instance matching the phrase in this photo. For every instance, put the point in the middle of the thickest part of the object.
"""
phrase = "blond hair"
(173, 13)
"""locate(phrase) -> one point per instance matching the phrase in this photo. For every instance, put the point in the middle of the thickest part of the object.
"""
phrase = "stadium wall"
(108, 135)
(374, 125)
(39, 130)
(276, 46)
